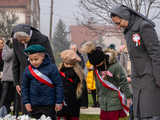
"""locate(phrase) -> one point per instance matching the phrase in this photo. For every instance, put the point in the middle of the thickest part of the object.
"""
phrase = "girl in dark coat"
(72, 76)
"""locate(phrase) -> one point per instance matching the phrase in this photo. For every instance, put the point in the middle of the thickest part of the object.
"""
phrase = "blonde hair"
(88, 47)
(79, 71)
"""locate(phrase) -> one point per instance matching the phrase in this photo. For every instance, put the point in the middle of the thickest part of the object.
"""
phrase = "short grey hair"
(22, 34)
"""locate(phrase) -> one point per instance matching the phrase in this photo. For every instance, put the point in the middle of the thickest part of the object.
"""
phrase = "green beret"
(34, 49)
(112, 46)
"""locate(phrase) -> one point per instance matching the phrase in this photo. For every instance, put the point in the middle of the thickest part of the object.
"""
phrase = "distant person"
(91, 83)
(112, 46)
(123, 57)
(42, 86)
(1, 61)
(73, 76)
(8, 90)
(144, 51)
(23, 36)
(75, 48)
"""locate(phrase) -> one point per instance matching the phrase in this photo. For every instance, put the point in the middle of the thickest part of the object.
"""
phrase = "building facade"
(27, 11)
(108, 34)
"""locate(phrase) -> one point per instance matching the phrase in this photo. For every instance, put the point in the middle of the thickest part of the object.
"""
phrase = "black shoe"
(95, 105)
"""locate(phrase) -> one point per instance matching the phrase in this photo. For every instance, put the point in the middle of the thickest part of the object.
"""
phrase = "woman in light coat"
(8, 91)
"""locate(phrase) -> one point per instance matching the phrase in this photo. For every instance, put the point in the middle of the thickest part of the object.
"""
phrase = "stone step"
(90, 110)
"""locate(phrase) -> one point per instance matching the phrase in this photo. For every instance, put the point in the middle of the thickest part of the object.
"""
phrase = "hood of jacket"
(112, 55)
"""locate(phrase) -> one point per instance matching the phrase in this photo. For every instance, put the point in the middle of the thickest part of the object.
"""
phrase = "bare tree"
(99, 9)
(7, 21)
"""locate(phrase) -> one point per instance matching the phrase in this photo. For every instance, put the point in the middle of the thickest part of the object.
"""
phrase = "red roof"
(13, 3)
(80, 34)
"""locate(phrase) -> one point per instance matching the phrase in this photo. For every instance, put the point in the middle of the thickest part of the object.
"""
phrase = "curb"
(90, 110)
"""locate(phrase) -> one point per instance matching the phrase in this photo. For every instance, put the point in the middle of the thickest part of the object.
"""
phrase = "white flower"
(23, 117)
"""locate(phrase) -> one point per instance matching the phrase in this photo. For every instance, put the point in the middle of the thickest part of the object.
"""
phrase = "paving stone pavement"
(90, 110)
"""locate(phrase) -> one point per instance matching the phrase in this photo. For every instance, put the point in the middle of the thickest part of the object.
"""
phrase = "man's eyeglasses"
(117, 23)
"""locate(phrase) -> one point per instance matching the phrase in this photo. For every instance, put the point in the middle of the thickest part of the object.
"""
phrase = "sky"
(63, 9)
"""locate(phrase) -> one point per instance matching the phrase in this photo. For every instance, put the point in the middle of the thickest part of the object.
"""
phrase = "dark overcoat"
(145, 63)
(20, 59)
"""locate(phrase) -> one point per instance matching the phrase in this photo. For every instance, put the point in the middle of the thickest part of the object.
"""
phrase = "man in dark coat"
(84, 96)
(144, 50)
(24, 35)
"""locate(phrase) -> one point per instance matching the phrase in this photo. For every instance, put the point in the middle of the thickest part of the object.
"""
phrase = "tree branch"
(101, 8)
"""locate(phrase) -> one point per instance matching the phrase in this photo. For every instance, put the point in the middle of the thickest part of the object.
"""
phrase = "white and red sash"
(40, 77)
(110, 86)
